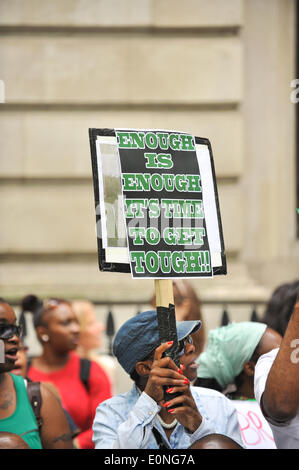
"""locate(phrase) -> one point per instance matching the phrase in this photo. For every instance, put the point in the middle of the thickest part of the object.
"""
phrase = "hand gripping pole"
(167, 323)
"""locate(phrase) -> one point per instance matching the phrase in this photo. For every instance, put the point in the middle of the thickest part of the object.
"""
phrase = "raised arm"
(280, 400)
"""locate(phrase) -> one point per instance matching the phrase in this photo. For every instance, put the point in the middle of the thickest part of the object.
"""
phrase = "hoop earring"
(45, 338)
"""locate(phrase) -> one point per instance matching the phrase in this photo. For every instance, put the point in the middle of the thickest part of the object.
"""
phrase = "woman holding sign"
(141, 419)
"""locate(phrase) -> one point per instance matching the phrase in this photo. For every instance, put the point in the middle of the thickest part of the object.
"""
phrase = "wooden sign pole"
(164, 292)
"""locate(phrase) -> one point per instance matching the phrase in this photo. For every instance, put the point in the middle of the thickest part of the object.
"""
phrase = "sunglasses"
(50, 304)
(183, 344)
(7, 330)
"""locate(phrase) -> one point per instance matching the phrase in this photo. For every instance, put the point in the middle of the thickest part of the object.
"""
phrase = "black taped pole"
(167, 323)
(167, 330)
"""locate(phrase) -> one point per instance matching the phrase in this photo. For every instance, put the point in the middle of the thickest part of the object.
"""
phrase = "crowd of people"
(64, 397)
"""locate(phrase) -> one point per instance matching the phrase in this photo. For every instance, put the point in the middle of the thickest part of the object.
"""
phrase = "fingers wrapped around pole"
(167, 322)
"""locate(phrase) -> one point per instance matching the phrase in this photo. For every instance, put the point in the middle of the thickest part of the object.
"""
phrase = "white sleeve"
(261, 372)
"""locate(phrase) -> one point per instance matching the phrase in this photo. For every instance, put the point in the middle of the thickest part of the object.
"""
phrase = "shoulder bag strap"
(35, 399)
(84, 371)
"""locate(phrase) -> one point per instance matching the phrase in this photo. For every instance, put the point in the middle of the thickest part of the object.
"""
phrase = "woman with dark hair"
(57, 330)
(280, 306)
(47, 430)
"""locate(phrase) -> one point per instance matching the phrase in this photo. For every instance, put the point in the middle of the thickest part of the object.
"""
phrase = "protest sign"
(157, 205)
(157, 212)
(255, 430)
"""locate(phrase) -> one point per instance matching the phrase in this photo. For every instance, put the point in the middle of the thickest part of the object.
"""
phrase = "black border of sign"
(124, 267)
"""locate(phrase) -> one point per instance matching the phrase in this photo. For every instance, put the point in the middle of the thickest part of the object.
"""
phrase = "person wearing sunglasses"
(16, 413)
(188, 359)
(141, 419)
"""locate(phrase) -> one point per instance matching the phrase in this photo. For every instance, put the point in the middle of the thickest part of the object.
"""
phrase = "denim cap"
(139, 336)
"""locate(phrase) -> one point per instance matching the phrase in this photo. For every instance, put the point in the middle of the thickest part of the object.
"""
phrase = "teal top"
(22, 421)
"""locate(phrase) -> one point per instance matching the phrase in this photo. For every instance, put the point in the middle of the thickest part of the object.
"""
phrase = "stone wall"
(218, 69)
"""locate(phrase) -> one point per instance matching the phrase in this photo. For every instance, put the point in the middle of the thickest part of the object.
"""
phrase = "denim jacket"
(126, 421)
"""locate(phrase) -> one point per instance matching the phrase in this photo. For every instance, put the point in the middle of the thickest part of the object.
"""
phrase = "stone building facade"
(220, 69)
